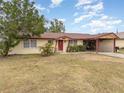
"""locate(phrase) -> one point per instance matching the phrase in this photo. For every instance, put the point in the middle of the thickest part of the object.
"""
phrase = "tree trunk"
(6, 53)
(6, 50)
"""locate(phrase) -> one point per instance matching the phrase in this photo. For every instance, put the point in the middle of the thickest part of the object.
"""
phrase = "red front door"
(60, 45)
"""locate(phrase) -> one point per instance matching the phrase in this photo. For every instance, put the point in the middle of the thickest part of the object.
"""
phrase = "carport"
(104, 42)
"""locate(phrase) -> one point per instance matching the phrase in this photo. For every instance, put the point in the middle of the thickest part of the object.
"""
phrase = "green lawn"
(76, 73)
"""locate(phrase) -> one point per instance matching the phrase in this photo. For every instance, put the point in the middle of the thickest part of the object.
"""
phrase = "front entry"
(60, 45)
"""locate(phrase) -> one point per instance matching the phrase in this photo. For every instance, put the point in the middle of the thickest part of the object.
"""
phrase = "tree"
(56, 26)
(19, 19)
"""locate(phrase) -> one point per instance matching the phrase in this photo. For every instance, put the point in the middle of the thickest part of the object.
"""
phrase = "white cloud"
(105, 23)
(98, 23)
(76, 14)
(84, 2)
(62, 19)
(55, 3)
(114, 22)
(105, 17)
(39, 7)
(81, 18)
(84, 26)
(95, 8)
(90, 11)
(93, 16)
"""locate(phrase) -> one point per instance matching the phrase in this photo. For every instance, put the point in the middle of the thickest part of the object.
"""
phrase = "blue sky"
(85, 16)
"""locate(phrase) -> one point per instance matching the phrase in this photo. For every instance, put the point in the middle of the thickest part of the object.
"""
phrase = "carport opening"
(90, 45)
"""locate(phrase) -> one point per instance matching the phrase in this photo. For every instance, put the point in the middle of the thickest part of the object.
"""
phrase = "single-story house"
(104, 42)
(120, 41)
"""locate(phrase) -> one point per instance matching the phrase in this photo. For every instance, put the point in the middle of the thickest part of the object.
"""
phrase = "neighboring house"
(103, 42)
(120, 41)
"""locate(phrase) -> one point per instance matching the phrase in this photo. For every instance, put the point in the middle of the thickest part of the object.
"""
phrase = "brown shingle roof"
(69, 35)
(103, 34)
(49, 35)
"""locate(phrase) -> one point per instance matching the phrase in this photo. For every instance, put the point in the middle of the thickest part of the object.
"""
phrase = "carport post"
(114, 50)
(97, 45)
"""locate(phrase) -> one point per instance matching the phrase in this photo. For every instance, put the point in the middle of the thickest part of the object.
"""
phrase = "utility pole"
(117, 31)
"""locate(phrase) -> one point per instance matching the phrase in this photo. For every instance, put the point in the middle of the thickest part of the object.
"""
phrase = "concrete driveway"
(118, 55)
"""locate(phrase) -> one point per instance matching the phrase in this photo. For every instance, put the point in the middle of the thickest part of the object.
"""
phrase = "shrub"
(47, 50)
(77, 48)
(121, 48)
(73, 48)
(81, 47)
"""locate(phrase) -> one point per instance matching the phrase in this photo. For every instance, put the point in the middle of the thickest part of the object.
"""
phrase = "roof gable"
(107, 36)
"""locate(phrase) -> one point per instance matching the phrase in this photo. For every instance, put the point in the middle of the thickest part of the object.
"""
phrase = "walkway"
(118, 55)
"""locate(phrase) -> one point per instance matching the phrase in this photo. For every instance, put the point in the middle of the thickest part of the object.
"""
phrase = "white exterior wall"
(120, 43)
(106, 45)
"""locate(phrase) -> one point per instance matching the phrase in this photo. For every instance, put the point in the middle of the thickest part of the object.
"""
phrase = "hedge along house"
(61, 41)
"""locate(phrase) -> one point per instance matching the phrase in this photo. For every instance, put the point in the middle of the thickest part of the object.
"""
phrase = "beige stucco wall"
(79, 42)
(106, 46)
(120, 43)
(65, 45)
(19, 49)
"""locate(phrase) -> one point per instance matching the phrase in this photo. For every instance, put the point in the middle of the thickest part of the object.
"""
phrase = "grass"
(121, 51)
(76, 73)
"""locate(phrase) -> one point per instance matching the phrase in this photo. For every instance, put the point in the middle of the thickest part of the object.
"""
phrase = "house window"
(33, 43)
(26, 43)
(30, 43)
(73, 42)
(50, 41)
